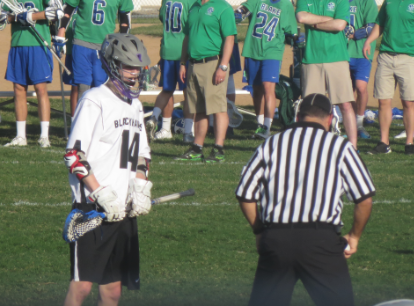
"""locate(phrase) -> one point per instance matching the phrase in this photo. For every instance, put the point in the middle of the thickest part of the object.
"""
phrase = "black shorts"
(108, 254)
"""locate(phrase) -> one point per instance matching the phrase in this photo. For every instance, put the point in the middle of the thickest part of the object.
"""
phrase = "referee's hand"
(353, 245)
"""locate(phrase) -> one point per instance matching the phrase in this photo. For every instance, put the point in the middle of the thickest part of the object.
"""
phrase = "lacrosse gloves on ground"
(107, 198)
(139, 197)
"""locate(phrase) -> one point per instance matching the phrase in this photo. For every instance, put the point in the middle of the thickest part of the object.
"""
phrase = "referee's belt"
(204, 60)
(316, 225)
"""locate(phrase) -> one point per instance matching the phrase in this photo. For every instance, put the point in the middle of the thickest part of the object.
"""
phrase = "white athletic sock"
(188, 126)
(166, 123)
(44, 129)
(360, 121)
(21, 128)
(260, 119)
(156, 112)
(268, 122)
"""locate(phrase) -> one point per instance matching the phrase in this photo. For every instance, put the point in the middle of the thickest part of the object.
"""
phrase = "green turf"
(194, 251)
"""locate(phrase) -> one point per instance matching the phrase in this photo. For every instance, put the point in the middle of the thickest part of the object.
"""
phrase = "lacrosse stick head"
(119, 53)
(235, 118)
(78, 223)
(15, 6)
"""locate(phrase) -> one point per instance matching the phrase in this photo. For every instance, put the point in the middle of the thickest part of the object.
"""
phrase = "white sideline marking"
(24, 203)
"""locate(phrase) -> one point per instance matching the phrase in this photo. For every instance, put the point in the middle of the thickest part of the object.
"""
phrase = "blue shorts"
(360, 69)
(87, 67)
(170, 75)
(68, 79)
(235, 62)
(29, 65)
(259, 71)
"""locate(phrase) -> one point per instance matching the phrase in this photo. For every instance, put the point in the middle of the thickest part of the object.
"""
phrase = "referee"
(299, 176)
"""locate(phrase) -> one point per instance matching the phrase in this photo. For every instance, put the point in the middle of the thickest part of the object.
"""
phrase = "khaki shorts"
(202, 95)
(393, 69)
(333, 78)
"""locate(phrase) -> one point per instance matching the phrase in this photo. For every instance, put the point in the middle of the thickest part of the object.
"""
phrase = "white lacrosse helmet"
(179, 126)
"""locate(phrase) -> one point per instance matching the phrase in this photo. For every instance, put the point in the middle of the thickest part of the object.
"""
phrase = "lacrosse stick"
(235, 118)
(18, 8)
(245, 111)
(78, 223)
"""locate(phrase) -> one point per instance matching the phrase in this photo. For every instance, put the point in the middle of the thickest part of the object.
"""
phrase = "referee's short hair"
(315, 105)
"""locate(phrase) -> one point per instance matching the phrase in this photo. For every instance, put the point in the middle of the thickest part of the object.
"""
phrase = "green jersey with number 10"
(174, 16)
(362, 12)
(97, 18)
(270, 20)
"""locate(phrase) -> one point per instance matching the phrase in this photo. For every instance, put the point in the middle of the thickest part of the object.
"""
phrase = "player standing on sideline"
(66, 47)
(95, 20)
(30, 63)
(174, 16)
(208, 45)
(395, 64)
(362, 20)
(326, 56)
(263, 51)
(107, 156)
(299, 177)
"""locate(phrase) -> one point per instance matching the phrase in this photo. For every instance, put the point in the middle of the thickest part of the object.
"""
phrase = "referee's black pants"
(313, 255)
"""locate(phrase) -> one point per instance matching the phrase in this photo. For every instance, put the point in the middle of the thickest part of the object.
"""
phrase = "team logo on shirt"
(210, 11)
(410, 8)
(331, 6)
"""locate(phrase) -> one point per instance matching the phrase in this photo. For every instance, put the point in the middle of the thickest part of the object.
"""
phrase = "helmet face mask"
(123, 57)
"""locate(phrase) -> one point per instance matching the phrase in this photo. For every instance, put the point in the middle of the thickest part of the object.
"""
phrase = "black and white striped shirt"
(299, 176)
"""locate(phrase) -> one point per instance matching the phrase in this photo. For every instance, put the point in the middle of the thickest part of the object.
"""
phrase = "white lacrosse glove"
(139, 197)
(54, 13)
(59, 45)
(107, 198)
(3, 19)
(25, 18)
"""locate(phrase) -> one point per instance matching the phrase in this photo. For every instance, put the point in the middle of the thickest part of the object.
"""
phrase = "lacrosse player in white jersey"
(107, 157)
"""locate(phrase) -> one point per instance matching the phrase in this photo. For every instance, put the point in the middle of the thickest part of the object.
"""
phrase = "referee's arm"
(362, 211)
(249, 210)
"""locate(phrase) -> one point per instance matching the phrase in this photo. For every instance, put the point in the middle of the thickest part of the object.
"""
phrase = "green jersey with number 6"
(362, 13)
(270, 20)
(97, 18)
(23, 36)
(174, 16)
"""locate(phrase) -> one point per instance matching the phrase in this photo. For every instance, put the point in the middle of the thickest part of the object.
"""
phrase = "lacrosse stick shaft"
(63, 102)
(244, 111)
(150, 113)
(174, 196)
(51, 50)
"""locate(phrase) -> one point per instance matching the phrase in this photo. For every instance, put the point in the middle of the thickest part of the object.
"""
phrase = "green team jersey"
(321, 46)
(362, 12)
(270, 20)
(174, 16)
(23, 36)
(97, 18)
(70, 31)
(397, 19)
(207, 27)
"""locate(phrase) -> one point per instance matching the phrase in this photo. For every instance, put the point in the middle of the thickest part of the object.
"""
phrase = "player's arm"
(68, 11)
(184, 58)
(124, 21)
(227, 51)
(375, 33)
(311, 19)
(335, 25)
(362, 212)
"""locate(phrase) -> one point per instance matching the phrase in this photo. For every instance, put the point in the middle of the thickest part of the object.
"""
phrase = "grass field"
(194, 251)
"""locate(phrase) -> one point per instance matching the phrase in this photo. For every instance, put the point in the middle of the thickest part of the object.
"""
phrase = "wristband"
(183, 63)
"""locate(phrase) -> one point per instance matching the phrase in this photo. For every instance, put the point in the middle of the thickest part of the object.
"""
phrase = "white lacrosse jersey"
(112, 134)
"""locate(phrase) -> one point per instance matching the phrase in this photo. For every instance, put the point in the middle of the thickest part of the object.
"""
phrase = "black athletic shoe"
(409, 149)
(191, 155)
(215, 156)
(381, 148)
